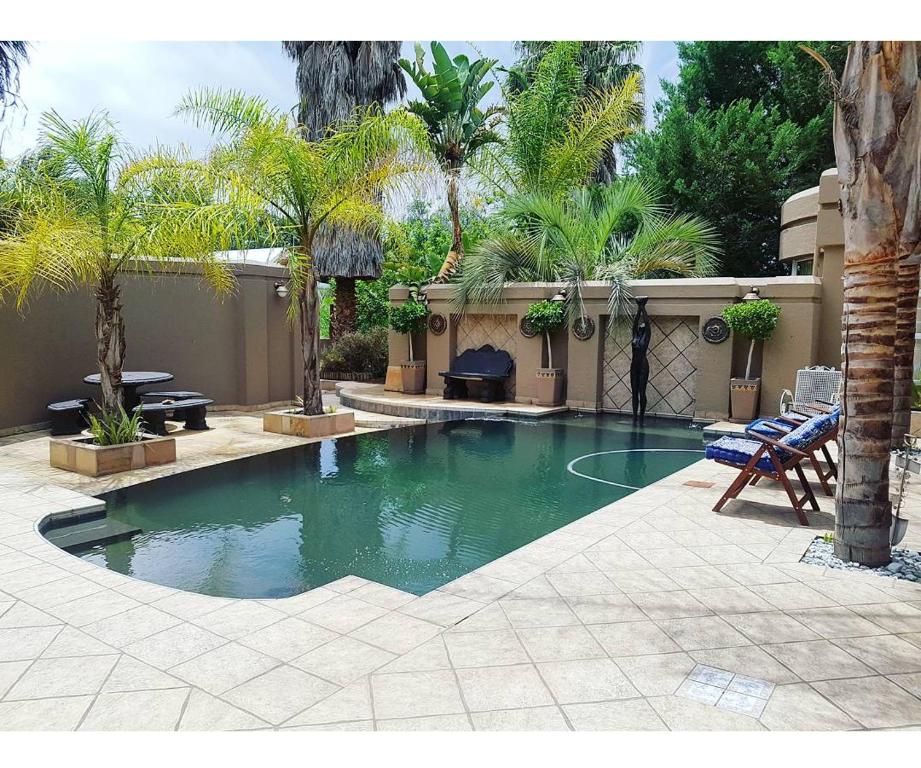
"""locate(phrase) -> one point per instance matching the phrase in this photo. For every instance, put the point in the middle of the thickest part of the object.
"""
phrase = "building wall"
(238, 350)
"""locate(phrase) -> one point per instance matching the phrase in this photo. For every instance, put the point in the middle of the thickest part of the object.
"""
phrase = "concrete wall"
(238, 350)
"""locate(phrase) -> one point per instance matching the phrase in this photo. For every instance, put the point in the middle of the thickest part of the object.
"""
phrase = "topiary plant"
(756, 320)
(409, 318)
(545, 317)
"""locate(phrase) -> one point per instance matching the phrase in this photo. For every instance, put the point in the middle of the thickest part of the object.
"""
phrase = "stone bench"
(68, 417)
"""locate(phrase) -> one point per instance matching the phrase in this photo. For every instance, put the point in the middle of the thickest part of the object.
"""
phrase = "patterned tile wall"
(473, 331)
(672, 359)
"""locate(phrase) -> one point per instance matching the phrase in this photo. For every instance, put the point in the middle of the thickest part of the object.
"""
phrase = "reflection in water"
(412, 508)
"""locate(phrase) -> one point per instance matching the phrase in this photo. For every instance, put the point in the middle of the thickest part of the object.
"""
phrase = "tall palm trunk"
(309, 316)
(456, 254)
(878, 149)
(110, 342)
(344, 314)
(906, 315)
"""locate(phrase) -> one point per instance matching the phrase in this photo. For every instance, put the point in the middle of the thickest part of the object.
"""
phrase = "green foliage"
(115, 427)
(546, 316)
(916, 395)
(358, 353)
(409, 317)
(747, 124)
(755, 320)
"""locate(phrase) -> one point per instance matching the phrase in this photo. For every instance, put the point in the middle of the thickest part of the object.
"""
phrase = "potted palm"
(544, 317)
(409, 318)
(755, 320)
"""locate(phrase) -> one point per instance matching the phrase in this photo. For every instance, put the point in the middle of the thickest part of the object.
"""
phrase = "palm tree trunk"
(906, 312)
(110, 342)
(456, 254)
(309, 314)
(344, 315)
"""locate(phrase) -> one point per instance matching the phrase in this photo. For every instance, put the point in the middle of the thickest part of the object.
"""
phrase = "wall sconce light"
(281, 290)
(752, 295)
(560, 296)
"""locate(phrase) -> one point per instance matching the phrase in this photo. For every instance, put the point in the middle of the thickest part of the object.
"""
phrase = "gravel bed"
(905, 563)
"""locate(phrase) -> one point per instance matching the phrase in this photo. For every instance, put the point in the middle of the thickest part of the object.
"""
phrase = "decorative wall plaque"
(715, 330)
(583, 328)
(437, 324)
(527, 330)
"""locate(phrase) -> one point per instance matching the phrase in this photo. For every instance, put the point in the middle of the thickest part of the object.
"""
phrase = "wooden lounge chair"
(758, 455)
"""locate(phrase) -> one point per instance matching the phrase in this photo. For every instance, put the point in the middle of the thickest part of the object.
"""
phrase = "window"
(802, 267)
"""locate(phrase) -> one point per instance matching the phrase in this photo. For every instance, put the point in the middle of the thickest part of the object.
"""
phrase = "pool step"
(102, 530)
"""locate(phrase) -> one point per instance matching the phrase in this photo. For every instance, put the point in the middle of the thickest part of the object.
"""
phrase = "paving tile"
(441, 608)
(240, 618)
(749, 574)
(723, 600)
(224, 668)
(136, 711)
(682, 714)
(351, 704)
(817, 660)
(204, 712)
(430, 723)
(279, 694)
(367, 725)
(475, 586)
(701, 632)
(713, 676)
(288, 639)
(55, 714)
(850, 592)
(396, 632)
(893, 617)
(633, 638)
(559, 643)
(511, 687)
(669, 605)
(47, 678)
(428, 656)
(382, 595)
(490, 617)
(798, 707)
(72, 642)
(747, 660)
(538, 612)
(573, 682)
(25, 642)
(750, 686)
(343, 660)
(836, 622)
(701, 692)
(673, 557)
(9, 674)
(533, 719)
(700, 577)
(874, 702)
(888, 654)
(649, 580)
(605, 609)
(911, 682)
(415, 694)
(612, 560)
(190, 605)
(347, 584)
(657, 674)
(741, 703)
(174, 645)
(770, 627)
(90, 608)
(633, 715)
(792, 596)
(582, 583)
(300, 603)
(130, 674)
(24, 615)
(343, 614)
(131, 625)
(484, 649)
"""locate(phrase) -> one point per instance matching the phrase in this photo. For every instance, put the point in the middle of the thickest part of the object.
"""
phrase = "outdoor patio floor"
(650, 613)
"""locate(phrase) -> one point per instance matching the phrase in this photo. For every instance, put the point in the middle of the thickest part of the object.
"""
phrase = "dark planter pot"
(550, 386)
(744, 395)
(413, 374)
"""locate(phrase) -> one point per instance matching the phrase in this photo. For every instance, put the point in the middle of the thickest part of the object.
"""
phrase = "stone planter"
(550, 386)
(86, 458)
(394, 380)
(743, 398)
(413, 375)
(293, 423)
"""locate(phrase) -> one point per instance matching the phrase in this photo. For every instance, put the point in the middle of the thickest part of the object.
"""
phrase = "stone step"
(101, 530)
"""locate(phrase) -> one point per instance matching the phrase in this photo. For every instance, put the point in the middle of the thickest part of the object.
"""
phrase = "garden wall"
(238, 350)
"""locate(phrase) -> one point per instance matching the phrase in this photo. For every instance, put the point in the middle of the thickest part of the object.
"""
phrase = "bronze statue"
(639, 365)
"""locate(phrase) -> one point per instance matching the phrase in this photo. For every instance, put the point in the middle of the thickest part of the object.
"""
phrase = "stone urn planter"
(292, 422)
(412, 375)
(550, 386)
(83, 456)
(744, 395)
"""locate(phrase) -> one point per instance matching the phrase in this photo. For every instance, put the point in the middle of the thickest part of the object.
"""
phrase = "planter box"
(550, 386)
(413, 374)
(743, 398)
(86, 458)
(297, 424)
(346, 376)
(394, 380)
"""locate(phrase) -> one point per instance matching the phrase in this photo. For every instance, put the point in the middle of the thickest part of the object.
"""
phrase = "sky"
(140, 83)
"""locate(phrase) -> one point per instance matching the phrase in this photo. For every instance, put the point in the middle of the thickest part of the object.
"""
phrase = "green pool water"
(413, 508)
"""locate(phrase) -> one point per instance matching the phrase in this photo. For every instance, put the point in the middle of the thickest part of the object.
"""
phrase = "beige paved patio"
(595, 626)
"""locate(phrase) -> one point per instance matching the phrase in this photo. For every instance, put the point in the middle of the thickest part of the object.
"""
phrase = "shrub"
(916, 395)
(116, 427)
(755, 320)
(409, 318)
(545, 317)
(358, 353)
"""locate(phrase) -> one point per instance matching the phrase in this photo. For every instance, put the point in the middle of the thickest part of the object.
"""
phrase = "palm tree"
(457, 127)
(80, 212)
(614, 233)
(877, 135)
(557, 132)
(334, 77)
(266, 167)
(605, 64)
(13, 53)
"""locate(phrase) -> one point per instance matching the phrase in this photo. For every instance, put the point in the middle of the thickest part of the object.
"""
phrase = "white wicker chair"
(815, 384)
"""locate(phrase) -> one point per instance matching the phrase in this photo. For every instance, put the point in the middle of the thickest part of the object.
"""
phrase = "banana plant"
(457, 127)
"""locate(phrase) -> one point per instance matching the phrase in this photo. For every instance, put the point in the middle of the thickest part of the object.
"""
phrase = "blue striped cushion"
(810, 431)
(738, 451)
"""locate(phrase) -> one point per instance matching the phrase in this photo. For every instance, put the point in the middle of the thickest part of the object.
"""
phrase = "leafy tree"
(457, 127)
(81, 212)
(13, 54)
(755, 320)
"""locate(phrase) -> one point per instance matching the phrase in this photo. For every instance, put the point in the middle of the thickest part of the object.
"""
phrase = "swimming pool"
(412, 508)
